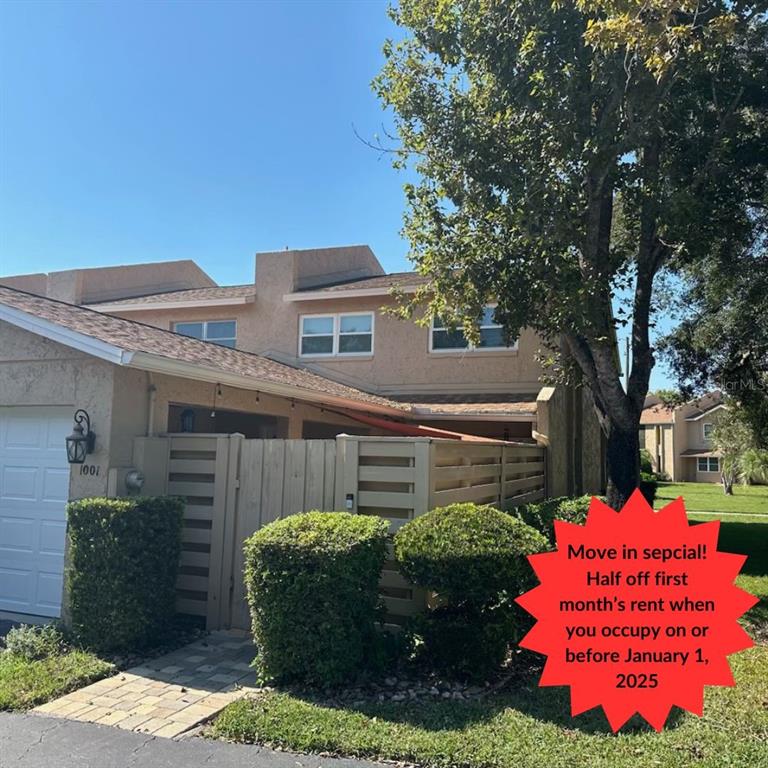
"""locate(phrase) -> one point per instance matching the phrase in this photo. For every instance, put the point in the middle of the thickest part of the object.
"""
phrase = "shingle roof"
(137, 337)
(477, 404)
(384, 282)
(189, 294)
(657, 414)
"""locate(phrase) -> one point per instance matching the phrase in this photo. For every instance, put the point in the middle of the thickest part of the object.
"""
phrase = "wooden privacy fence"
(234, 486)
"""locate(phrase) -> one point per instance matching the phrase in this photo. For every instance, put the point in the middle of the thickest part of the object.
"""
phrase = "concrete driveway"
(34, 741)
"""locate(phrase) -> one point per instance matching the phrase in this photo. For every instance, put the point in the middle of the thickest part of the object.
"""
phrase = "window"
(708, 464)
(342, 335)
(222, 332)
(443, 339)
(708, 428)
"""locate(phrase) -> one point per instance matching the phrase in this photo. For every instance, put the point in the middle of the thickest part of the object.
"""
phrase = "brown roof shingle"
(137, 337)
(657, 414)
(189, 294)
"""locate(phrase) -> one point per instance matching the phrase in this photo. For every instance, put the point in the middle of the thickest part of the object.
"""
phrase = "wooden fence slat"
(272, 481)
(380, 448)
(191, 607)
(204, 490)
(510, 470)
(386, 499)
(216, 590)
(192, 582)
(294, 477)
(376, 474)
(467, 472)
(476, 493)
(196, 536)
(523, 483)
(314, 488)
(192, 466)
(329, 482)
(190, 443)
(194, 559)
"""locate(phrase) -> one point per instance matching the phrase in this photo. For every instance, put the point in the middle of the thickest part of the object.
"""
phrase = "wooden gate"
(234, 486)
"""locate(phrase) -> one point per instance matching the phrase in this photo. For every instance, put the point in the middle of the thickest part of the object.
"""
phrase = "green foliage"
(648, 486)
(566, 155)
(312, 582)
(474, 558)
(466, 553)
(646, 461)
(542, 515)
(30, 642)
(124, 560)
(464, 642)
(25, 684)
(754, 465)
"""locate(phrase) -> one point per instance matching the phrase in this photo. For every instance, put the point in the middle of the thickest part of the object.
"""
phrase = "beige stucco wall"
(659, 442)
(35, 371)
(81, 286)
(401, 362)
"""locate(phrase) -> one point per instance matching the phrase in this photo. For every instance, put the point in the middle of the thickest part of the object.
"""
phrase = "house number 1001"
(92, 470)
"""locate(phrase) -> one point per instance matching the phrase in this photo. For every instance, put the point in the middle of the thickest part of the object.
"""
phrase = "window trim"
(470, 347)
(709, 460)
(337, 334)
(205, 324)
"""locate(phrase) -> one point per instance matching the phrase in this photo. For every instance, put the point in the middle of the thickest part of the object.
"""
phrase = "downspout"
(151, 398)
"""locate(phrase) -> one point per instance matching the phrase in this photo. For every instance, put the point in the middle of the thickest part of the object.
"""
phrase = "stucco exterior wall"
(35, 371)
(401, 362)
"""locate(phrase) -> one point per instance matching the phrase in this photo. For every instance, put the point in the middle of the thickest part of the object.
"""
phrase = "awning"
(417, 430)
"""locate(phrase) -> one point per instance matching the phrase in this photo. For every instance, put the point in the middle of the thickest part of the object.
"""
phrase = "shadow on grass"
(750, 539)
(547, 705)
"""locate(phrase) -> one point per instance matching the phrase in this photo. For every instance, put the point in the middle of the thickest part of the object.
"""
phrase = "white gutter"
(347, 294)
(159, 305)
(61, 335)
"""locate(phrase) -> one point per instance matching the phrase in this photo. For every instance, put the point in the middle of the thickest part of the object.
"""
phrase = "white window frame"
(709, 460)
(337, 334)
(704, 430)
(470, 347)
(205, 324)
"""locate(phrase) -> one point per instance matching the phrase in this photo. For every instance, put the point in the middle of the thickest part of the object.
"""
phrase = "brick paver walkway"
(170, 694)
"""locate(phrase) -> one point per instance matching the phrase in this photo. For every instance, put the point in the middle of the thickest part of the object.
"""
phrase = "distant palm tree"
(753, 464)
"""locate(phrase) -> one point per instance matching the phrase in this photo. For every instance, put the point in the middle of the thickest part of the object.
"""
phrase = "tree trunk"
(623, 458)
(727, 485)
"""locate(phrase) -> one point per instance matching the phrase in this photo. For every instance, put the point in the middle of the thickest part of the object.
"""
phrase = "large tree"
(722, 341)
(567, 153)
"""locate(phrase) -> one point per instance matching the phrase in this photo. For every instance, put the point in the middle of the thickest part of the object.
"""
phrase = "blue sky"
(141, 131)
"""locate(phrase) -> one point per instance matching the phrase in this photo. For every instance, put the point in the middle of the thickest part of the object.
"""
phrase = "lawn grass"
(25, 684)
(708, 497)
(530, 727)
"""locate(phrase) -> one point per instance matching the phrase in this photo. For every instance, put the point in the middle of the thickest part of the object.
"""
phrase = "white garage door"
(34, 486)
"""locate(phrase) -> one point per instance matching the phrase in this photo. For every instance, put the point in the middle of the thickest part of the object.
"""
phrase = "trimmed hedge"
(123, 563)
(467, 553)
(474, 557)
(646, 461)
(542, 515)
(312, 582)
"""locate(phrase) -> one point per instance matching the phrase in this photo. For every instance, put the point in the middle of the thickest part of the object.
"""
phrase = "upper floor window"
(222, 332)
(442, 339)
(344, 334)
(708, 429)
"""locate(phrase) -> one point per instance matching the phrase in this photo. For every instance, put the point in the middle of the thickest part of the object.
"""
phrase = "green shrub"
(312, 582)
(648, 486)
(542, 515)
(124, 560)
(467, 553)
(646, 461)
(31, 643)
(463, 642)
(474, 557)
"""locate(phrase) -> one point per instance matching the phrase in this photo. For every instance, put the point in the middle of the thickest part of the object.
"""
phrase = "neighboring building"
(303, 352)
(679, 438)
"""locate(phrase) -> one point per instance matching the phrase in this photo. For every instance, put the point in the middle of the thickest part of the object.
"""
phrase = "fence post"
(347, 457)
(229, 542)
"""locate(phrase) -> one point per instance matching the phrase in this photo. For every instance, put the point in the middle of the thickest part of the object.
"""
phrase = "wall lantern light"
(82, 440)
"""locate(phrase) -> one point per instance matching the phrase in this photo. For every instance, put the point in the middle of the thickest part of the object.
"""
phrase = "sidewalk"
(33, 741)
(169, 695)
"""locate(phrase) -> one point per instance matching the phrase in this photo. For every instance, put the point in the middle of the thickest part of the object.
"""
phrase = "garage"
(34, 487)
